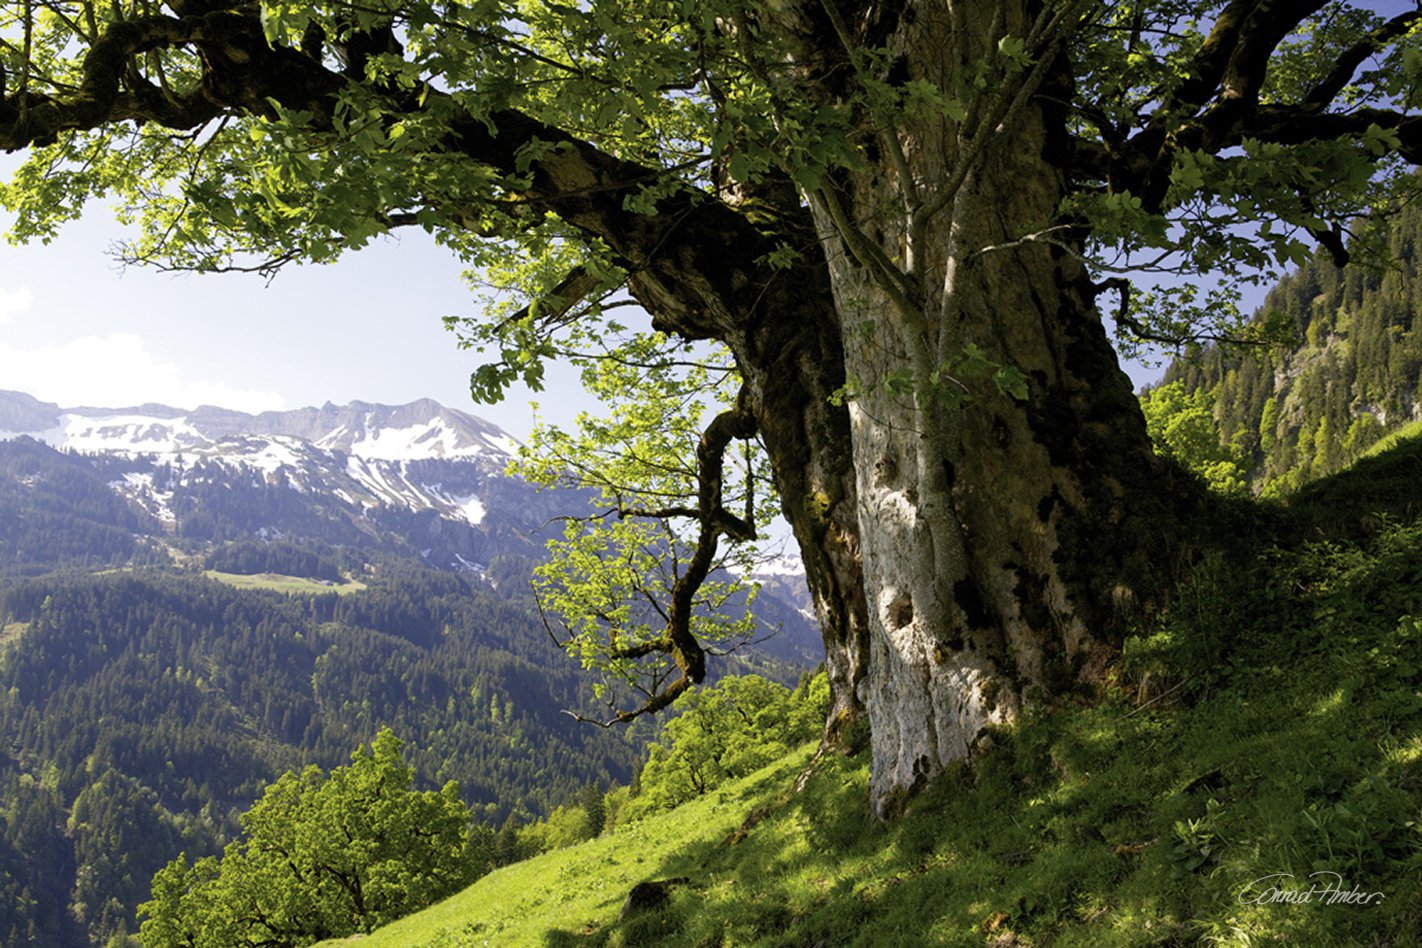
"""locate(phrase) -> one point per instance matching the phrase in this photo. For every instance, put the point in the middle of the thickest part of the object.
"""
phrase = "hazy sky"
(75, 328)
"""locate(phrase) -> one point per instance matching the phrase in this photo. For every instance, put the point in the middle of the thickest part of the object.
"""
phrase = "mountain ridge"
(362, 468)
(416, 458)
(358, 427)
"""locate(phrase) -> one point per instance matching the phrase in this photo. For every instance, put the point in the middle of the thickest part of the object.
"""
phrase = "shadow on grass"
(1351, 504)
(1114, 825)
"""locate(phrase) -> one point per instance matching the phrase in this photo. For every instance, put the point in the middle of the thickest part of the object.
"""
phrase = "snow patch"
(476, 568)
(138, 487)
(784, 564)
(503, 444)
(276, 454)
(331, 440)
(471, 508)
(130, 434)
(360, 462)
(431, 439)
(774, 566)
(466, 507)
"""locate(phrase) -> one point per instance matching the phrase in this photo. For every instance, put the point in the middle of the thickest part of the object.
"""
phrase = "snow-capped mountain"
(420, 467)
(783, 576)
(417, 481)
(420, 430)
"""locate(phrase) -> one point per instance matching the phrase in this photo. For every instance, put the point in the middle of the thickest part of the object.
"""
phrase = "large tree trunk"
(1003, 542)
(964, 560)
(793, 368)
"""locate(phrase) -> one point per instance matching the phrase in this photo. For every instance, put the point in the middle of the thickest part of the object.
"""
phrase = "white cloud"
(116, 371)
(14, 301)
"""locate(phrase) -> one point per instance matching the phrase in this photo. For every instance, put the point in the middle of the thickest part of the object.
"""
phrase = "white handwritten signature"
(1324, 888)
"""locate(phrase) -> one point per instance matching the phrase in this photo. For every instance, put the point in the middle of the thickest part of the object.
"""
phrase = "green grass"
(1353, 503)
(280, 583)
(1391, 440)
(1271, 724)
(573, 893)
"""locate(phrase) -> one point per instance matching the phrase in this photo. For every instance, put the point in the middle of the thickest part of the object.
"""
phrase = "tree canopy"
(898, 218)
(322, 856)
(1182, 426)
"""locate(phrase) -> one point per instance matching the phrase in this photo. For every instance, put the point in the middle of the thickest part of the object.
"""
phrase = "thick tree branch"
(678, 641)
(695, 263)
(732, 424)
(29, 118)
(585, 186)
(1248, 63)
(1235, 54)
(1323, 94)
(1291, 125)
(1222, 94)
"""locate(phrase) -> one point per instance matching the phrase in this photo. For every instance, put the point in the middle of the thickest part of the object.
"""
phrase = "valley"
(195, 602)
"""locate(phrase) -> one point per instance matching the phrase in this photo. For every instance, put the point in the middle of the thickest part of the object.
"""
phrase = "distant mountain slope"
(419, 481)
(416, 479)
(1311, 410)
(60, 510)
(135, 692)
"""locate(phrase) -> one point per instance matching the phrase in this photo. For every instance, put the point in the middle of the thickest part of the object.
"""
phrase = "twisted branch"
(677, 640)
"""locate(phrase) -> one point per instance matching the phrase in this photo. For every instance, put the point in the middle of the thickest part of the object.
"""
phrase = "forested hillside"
(1297, 413)
(147, 709)
(61, 512)
(178, 632)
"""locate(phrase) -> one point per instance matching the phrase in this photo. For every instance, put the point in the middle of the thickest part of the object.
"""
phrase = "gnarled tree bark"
(963, 560)
(1004, 542)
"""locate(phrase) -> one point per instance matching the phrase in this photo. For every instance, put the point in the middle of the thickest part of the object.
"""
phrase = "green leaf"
(808, 177)
(738, 167)
(1380, 141)
(1011, 382)
(1014, 50)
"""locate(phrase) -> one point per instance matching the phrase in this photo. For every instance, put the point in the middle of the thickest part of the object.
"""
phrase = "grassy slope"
(1407, 432)
(280, 583)
(581, 889)
(1274, 725)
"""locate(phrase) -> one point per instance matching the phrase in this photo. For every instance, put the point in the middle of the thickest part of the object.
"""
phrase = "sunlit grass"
(1291, 747)
(1393, 439)
(579, 891)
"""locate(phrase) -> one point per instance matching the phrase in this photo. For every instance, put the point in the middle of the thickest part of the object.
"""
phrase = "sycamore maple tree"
(903, 222)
